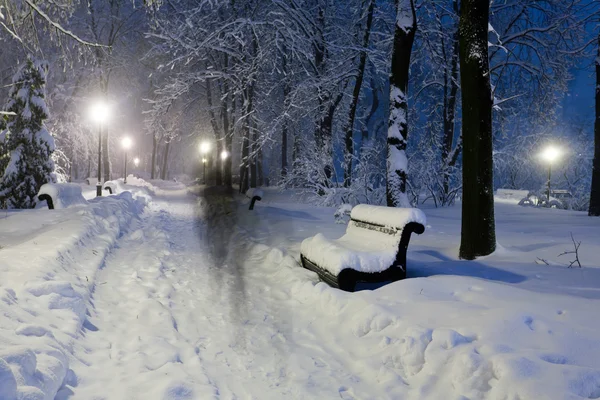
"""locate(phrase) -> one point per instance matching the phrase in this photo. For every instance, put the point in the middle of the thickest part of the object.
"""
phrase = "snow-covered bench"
(372, 250)
(254, 194)
(61, 195)
(111, 187)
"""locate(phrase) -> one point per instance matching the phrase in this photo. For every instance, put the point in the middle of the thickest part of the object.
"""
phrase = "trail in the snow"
(184, 310)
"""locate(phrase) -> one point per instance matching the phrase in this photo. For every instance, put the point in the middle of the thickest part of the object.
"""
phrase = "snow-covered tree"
(397, 162)
(27, 144)
(594, 210)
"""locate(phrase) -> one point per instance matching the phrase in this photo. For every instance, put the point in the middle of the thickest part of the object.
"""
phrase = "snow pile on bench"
(115, 186)
(63, 195)
(252, 192)
(387, 216)
(362, 249)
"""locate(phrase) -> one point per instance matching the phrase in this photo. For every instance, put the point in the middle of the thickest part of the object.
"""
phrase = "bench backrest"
(386, 219)
(390, 227)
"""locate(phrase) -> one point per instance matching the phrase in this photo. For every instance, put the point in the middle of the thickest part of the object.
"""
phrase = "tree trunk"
(154, 151)
(89, 173)
(217, 132)
(284, 128)
(227, 135)
(245, 164)
(228, 170)
(163, 171)
(253, 157)
(450, 96)
(349, 129)
(478, 236)
(105, 155)
(594, 210)
(397, 162)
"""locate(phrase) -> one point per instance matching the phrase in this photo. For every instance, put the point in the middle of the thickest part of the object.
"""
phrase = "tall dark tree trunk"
(89, 172)
(216, 131)
(284, 128)
(253, 157)
(594, 210)
(349, 128)
(397, 162)
(228, 136)
(154, 151)
(245, 164)
(478, 235)
(229, 129)
(449, 158)
(163, 171)
(105, 155)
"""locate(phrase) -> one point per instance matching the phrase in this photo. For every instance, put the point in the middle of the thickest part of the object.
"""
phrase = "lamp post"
(550, 154)
(126, 143)
(99, 113)
(204, 149)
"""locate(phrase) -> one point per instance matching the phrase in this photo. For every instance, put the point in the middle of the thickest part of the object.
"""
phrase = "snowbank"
(63, 195)
(499, 328)
(47, 272)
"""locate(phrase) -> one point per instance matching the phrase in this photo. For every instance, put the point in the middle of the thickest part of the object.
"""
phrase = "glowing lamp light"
(204, 160)
(126, 143)
(136, 161)
(204, 147)
(99, 112)
(551, 154)
(224, 155)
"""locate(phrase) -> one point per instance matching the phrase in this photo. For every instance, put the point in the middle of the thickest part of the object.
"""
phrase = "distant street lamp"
(550, 154)
(136, 161)
(99, 113)
(204, 149)
(126, 143)
(224, 155)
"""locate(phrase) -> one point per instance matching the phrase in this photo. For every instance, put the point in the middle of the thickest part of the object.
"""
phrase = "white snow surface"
(116, 301)
(63, 194)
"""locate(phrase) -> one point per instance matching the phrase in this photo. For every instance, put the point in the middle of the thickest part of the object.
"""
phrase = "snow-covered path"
(185, 308)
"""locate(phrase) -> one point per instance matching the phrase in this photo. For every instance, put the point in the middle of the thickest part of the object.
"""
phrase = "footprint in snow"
(346, 393)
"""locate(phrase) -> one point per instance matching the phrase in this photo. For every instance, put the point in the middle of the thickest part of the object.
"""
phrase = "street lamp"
(126, 143)
(99, 113)
(136, 161)
(224, 155)
(550, 154)
(204, 149)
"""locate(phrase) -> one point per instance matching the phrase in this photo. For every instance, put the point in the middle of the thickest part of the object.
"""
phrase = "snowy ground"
(195, 297)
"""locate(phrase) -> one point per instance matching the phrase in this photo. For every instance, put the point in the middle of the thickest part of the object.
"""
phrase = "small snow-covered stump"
(61, 195)
(254, 194)
(372, 250)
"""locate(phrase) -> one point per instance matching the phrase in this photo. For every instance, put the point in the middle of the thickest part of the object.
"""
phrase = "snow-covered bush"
(27, 145)
(309, 172)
